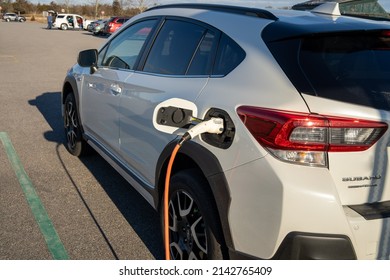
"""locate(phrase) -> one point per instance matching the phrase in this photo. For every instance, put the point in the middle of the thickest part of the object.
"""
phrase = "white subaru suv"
(299, 167)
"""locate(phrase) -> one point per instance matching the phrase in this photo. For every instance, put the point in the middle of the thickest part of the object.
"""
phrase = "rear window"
(352, 67)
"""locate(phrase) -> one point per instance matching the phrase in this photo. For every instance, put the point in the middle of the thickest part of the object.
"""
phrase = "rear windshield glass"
(354, 68)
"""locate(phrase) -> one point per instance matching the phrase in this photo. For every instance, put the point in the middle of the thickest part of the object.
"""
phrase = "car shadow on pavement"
(128, 201)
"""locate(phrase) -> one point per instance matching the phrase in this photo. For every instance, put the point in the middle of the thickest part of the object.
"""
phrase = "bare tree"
(116, 7)
(96, 8)
(96, 4)
(140, 5)
(67, 5)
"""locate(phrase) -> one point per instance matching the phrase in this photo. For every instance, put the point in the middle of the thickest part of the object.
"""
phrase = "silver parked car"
(98, 27)
(13, 17)
(257, 134)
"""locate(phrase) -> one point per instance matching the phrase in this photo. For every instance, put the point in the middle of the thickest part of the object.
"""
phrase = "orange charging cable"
(214, 125)
(185, 137)
(166, 202)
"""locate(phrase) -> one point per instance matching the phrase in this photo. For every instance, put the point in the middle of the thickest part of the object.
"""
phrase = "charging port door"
(173, 116)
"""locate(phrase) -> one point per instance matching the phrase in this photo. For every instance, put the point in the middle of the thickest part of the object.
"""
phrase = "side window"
(102, 53)
(203, 59)
(229, 56)
(124, 49)
(175, 47)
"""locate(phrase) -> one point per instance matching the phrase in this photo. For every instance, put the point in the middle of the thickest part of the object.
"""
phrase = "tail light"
(307, 138)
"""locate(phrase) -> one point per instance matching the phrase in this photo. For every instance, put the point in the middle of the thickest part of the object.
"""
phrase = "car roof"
(68, 15)
(281, 23)
(118, 17)
(233, 9)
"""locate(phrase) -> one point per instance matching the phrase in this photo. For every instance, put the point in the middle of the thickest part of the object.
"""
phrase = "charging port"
(225, 139)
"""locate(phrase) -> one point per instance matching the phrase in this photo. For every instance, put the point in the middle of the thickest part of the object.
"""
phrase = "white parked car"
(301, 167)
(68, 21)
(86, 22)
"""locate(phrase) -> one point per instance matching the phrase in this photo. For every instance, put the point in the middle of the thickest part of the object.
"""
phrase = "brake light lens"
(386, 33)
(307, 138)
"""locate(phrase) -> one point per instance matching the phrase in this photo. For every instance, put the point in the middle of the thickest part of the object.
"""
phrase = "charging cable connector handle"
(213, 125)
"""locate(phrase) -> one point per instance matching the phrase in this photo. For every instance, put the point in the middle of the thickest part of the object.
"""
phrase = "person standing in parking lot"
(80, 23)
(49, 21)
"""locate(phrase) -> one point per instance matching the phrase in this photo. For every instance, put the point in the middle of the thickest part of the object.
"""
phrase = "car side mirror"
(88, 58)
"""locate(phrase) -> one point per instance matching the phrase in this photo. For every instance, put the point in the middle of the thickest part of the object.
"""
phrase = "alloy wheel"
(71, 125)
(187, 228)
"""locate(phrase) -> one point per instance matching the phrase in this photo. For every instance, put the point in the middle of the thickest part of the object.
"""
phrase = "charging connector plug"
(214, 125)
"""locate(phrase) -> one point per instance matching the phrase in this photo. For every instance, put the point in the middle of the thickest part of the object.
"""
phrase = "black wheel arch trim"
(70, 82)
(212, 170)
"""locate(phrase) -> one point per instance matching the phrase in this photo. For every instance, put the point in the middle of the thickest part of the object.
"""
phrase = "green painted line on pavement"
(48, 231)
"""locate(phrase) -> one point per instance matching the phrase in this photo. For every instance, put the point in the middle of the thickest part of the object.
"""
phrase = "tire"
(7, 20)
(64, 26)
(75, 143)
(195, 231)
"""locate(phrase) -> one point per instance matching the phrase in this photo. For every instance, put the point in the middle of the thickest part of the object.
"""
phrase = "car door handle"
(115, 89)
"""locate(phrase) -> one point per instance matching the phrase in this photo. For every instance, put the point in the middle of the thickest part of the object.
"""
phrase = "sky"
(259, 3)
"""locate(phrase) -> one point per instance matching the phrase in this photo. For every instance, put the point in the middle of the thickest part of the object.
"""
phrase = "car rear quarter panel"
(280, 198)
(360, 177)
(257, 81)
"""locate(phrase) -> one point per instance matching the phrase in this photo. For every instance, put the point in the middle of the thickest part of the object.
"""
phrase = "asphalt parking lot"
(53, 205)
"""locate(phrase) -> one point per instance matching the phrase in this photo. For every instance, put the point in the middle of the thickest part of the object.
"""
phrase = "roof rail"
(328, 8)
(254, 12)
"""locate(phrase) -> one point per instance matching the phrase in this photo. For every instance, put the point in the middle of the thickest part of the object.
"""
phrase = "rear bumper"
(305, 246)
